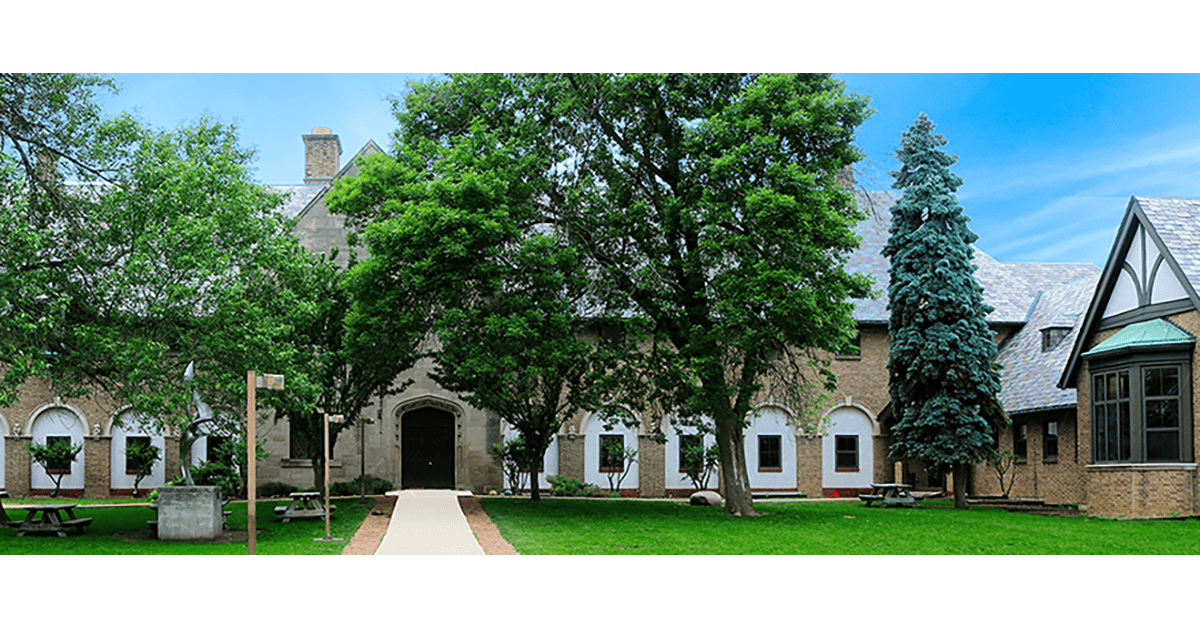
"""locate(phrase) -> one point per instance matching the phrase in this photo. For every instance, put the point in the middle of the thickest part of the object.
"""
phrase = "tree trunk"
(735, 480)
(960, 485)
(534, 493)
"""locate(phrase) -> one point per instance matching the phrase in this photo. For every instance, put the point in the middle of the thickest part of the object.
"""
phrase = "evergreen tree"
(942, 379)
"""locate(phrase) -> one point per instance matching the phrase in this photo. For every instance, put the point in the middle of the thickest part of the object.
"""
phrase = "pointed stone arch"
(429, 430)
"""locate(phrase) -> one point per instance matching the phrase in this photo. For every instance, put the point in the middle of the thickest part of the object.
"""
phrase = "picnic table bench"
(304, 505)
(56, 519)
(890, 495)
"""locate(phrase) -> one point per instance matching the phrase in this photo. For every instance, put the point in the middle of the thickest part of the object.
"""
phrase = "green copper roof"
(1157, 333)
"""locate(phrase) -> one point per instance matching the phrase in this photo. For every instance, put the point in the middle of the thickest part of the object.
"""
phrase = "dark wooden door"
(427, 449)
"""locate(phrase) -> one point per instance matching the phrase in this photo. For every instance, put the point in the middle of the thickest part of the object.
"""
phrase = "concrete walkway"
(428, 522)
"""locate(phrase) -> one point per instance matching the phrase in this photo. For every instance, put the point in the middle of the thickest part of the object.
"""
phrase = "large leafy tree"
(942, 379)
(135, 254)
(460, 240)
(707, 212)
(51, 129)
(337, 369)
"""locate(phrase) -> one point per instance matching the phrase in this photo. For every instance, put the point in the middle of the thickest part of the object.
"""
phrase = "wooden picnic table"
(890, 495)
(304, 505)
(49, 519)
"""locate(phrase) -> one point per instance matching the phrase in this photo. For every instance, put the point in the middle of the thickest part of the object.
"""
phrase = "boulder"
(705, 498)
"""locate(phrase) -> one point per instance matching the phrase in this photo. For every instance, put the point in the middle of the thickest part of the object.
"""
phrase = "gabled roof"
(1012, 289)
(1028, 377)
(349, 170)
(1172, 225)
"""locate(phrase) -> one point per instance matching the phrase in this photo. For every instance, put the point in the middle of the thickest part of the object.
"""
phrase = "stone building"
(1097, 378)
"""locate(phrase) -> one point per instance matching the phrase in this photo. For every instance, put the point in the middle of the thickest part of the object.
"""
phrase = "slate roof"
(1010, 288)
(1030, 376)
(298, 197)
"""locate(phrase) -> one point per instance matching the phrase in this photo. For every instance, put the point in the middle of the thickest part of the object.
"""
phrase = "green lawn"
(607, 526)
(113, 530)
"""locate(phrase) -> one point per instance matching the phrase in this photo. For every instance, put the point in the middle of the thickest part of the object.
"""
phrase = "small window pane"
(770, 454)
(609, 462)
(1123, 412)
(1162, 413)
(1050, 441)
(1162, 445)
(846, 452)
(1098, 389)
(1021, 440)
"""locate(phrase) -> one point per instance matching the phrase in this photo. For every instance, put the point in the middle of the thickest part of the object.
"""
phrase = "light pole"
(272, 382)
(329, 418)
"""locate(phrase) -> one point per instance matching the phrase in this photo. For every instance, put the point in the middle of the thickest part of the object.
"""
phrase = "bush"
(217, 474)
(375, 486)
(276, 489)
(564, 486)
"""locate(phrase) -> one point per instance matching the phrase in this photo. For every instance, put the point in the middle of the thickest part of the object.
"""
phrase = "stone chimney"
(322, 155)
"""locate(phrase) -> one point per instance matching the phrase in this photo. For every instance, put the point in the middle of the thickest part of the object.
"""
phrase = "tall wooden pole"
(327, 495)
(251, 459)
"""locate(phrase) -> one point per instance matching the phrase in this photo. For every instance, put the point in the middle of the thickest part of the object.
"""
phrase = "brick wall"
(570, 456)
(17, 467)
(1142, 490)
(1054, 480)
(808, 465)
(97, 462)
(651, 467)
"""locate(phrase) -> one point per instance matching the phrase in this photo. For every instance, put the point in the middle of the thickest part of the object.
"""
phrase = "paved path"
(428, 522)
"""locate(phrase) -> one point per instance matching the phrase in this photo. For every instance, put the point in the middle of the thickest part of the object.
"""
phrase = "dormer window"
(1052, 336)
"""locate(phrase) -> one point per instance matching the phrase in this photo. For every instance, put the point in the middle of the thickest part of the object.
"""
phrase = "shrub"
(564, 486)
(217, 474)
(374, 486)
(276, 489)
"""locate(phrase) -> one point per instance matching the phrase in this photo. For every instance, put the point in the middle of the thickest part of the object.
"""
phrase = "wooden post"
(251, 459)
(337, 418)
(327, 495)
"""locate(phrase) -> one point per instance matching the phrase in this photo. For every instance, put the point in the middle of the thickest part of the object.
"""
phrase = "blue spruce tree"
(942, 379)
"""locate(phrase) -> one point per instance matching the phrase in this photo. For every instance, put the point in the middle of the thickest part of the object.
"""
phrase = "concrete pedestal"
(189, 513)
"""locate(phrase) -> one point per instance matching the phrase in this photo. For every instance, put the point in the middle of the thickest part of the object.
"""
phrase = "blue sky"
(1049, 161)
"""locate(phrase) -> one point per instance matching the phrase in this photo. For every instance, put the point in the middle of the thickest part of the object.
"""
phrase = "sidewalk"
(428, 522)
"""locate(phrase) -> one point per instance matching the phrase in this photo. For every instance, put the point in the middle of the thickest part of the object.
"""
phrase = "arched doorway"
(427, 449)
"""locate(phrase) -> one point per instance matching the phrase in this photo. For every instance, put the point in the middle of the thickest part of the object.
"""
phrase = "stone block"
(189, 513)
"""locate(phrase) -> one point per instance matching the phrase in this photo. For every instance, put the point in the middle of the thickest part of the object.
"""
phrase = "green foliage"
(141, 456)
(512, 455)
(374, 486)
(942, 379)
(276, 489)
(457, 240)
(698, 462)
(213, 473)
(625, 456)
(564, 486)
(56, 458)
(703, 213)
(162, 252)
